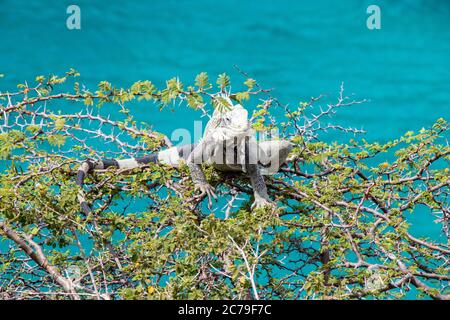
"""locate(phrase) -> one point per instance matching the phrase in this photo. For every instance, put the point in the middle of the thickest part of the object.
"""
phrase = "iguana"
(227, 144)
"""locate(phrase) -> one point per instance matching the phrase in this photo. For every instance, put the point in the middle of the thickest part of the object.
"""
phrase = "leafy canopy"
(343, 228)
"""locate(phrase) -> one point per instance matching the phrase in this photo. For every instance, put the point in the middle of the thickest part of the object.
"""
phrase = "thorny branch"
(344, 212)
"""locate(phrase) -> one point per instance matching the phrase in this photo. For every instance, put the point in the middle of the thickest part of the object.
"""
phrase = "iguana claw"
(261, 202)
(206, 190)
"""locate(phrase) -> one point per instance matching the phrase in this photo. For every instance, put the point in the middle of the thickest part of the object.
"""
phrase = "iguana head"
(227, 116)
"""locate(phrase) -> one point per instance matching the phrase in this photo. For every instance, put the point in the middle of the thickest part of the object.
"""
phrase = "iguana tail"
(171, 157)
(90, 165)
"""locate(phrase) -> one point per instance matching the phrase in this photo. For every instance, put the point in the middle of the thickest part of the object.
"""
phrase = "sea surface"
(300, 48)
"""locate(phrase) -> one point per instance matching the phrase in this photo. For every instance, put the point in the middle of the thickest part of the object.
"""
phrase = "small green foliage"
(54, 80)
(250, 83)
(342, 210)
(57, 140)
(223, 81)
(88, 101)
(201, 80)
(221, 104)
(72, 73)
(40, 79)
(59, 123)
(241, 96)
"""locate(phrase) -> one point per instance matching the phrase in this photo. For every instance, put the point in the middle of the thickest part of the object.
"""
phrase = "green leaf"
(250, 83)
(221, 104)
(59, 123)
(56, 140)
(223, 81)
(201, 80)
(241, 96)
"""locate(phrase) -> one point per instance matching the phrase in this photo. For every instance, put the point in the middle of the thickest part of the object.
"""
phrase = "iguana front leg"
(259, 186)
(198, 177)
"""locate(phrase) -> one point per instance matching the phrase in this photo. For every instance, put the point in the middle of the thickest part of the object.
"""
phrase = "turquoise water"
(301, 48)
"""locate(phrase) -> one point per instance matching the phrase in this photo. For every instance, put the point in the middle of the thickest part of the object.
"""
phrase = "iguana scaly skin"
(228, 132)
(272, 154)
(226, 144)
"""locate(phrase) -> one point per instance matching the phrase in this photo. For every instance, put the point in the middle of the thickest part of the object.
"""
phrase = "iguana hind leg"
(259, 186)
(256, 178)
